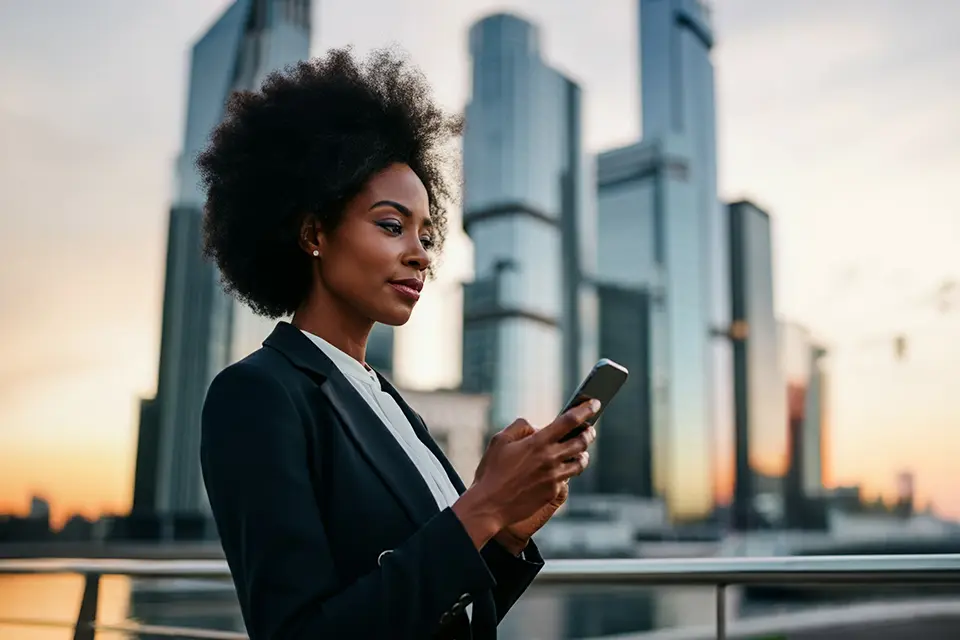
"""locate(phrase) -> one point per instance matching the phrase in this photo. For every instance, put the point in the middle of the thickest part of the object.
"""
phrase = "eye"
(428, 242)
(393, 227)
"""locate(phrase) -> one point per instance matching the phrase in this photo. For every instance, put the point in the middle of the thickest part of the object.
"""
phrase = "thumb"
(518, 430)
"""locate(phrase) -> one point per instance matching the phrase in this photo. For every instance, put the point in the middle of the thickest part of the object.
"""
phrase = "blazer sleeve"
(255, 464)
(513, 574)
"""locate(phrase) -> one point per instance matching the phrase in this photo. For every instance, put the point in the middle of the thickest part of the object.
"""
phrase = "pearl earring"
(316, 254)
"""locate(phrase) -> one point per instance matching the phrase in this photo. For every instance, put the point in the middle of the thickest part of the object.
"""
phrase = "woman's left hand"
(514, 537)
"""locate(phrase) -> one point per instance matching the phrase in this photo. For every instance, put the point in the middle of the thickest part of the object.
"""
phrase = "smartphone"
(602, 383)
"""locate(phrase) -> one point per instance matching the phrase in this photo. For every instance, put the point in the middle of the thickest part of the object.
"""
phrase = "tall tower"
(529, 320)
(804, 366)
(660, 230)
(760, 439)
(676, 81)
(203, 330)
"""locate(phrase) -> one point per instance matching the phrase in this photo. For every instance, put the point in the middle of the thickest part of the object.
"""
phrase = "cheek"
(350, 268)
(342, 272)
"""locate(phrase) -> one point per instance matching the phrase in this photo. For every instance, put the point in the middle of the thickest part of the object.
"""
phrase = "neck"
(325, 317)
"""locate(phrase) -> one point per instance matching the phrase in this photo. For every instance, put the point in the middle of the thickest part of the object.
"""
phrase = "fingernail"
(595, 405)
(593, 434)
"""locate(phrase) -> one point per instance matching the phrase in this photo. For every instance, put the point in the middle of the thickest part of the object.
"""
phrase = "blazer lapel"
(420, 428)
(381, 449)
(362, 424)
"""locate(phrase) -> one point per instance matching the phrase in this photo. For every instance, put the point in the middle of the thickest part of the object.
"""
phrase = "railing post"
(87, 617)
(721, 612)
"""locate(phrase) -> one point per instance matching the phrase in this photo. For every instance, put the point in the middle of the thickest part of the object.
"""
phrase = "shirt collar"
(348, 365)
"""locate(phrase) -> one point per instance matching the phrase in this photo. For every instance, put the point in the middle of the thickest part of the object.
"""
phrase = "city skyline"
(853, 296)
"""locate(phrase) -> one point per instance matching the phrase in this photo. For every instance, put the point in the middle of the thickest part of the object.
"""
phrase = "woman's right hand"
(522, 470)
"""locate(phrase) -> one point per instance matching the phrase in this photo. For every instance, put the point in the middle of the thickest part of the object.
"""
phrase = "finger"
(517, 430)
(568, 421)
(575, 466)
(571, 448)
(564, 492)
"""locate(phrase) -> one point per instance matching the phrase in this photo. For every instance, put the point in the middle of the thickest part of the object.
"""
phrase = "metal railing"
(719, 573)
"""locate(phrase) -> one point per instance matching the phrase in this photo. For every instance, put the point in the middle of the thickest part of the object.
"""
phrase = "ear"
(311, 238)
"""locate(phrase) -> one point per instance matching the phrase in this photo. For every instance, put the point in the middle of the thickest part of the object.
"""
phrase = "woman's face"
(375, 261)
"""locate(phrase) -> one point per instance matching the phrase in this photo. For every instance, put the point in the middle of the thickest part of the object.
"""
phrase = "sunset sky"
(838, 117)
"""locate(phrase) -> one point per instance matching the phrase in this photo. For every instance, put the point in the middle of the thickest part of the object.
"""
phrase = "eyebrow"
(400, 208)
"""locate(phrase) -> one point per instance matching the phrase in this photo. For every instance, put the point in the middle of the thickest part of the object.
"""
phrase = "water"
(544, 612)
(122, 600)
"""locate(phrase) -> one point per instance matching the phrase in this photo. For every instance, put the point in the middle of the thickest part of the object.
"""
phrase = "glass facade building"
(760, 409)
(622, 461)
(661, 228)
(651, 238)
(203, 330)
(530, 320)
(803, 363)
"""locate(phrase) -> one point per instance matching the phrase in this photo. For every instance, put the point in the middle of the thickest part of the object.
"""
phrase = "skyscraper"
(803, 364)
(760, 409)
(649, 240)
(529, 319)
(660, 227)
(148, 447)
(202, 329)
(623, 453)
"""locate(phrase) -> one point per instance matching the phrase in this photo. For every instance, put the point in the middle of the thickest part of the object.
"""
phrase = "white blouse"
(367, 384)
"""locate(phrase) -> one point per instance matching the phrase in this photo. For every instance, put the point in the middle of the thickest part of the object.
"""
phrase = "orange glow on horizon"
(105, 488)
(86, 484)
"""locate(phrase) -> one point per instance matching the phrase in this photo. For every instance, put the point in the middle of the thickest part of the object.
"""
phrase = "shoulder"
(252, 394)
(256, 373)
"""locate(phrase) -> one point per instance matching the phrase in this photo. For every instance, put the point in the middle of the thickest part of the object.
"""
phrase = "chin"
(395, 317)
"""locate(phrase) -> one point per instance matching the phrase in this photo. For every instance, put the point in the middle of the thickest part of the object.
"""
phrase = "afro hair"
(304, 145)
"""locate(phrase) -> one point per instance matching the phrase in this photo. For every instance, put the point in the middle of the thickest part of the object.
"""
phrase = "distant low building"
(34, 527)
(39, 509)
(605, 526)
(76, 529)
(458, 422)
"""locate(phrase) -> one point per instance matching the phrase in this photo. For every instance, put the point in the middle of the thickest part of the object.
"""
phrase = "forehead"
(400, 184)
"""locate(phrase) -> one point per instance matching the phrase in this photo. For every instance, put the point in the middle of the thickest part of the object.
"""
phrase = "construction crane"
(944, 299)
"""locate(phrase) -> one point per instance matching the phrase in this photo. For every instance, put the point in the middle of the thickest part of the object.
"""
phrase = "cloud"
(838, 116)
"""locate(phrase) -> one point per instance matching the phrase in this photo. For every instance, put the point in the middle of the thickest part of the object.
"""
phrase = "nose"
(417, 257)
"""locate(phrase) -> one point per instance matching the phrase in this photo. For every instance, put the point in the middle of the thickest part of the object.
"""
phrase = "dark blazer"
(328, 528)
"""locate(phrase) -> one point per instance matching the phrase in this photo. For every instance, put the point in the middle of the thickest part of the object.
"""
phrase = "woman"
(338, 514)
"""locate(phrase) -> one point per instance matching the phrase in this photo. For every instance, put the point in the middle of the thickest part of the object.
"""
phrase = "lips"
(413, 283)
(409, 288)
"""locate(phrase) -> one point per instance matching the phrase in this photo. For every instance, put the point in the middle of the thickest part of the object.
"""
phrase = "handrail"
(933, 569)
(889, 569)
(788, 570)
